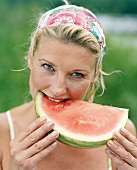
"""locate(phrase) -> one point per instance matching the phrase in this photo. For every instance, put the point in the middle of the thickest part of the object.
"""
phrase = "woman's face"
(61, 70)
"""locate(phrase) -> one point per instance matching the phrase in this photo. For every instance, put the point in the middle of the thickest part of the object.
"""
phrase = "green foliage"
(110, 6)
(99, 6)
(18, 20)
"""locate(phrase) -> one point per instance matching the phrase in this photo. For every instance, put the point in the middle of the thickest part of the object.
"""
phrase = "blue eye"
(78, 75)
(48, 67)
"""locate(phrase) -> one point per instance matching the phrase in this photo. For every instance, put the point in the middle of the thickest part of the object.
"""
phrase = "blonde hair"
(73, 34)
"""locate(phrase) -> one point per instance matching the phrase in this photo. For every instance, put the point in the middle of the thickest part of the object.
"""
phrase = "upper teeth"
(54, 100)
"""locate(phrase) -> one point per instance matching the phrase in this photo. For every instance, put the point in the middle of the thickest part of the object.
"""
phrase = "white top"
(11, 126)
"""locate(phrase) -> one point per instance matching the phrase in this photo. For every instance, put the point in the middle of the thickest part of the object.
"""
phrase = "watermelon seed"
(58, 107)
(76, 123)
(92, 119)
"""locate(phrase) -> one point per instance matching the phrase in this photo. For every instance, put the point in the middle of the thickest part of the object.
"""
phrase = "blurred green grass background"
(18, 20)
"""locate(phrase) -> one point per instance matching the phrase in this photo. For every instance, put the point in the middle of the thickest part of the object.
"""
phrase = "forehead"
(63, 53)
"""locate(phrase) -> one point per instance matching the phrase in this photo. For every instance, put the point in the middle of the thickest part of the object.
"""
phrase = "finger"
(122, 165)
(36, 135)
(41, 155)
(128, 136)
(128, 142)
(42, 145)
(121, 153)
(30, 128)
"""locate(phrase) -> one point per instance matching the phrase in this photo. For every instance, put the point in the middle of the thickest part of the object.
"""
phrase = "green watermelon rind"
(68, 139)
(80, 144)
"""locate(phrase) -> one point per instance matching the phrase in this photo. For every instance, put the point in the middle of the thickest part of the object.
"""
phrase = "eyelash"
(78, 75)
(46, 66)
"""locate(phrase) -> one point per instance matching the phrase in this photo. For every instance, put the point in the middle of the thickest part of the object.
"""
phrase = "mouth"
(56, 100)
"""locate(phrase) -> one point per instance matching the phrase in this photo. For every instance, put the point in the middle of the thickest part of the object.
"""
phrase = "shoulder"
(4, 127)
(4, 133)
(131, 127)
(3, 124)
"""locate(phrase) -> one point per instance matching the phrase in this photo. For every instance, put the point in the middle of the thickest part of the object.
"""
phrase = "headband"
(71, 14)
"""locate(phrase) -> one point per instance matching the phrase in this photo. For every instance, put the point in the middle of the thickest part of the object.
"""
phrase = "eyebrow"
(77, 70)
(46, 61)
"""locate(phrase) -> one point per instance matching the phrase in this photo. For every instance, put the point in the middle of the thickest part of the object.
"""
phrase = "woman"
(65, 59)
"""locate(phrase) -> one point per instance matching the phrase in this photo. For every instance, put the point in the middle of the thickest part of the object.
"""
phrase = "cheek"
(37, 82)
(78, 91)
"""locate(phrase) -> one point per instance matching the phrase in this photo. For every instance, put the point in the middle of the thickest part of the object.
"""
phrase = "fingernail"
(123, 130)
(43, 119)
(110, 142)
(55, 134)
(50, 124)
(116, 134)
(54, 144)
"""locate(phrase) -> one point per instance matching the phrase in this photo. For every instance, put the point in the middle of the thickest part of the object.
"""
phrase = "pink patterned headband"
(71, 14)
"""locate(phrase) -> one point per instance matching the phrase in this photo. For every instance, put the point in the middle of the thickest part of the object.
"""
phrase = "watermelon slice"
(81, 124)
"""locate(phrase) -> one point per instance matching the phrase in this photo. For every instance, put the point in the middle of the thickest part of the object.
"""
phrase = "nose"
(59, 86)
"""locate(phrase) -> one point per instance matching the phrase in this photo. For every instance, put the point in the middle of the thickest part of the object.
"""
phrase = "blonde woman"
(65, 62)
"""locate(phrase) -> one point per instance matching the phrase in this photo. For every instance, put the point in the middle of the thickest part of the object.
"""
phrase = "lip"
(56, 99)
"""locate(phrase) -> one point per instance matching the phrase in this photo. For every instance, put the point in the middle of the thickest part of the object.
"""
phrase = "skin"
(61, 71)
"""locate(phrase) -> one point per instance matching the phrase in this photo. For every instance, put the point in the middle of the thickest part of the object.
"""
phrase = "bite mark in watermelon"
(81, 124)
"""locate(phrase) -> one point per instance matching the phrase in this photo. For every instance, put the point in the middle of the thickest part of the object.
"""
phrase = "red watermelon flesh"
(82, 124)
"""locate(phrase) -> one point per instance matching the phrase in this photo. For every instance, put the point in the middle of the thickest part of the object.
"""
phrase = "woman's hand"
(32, 145)
(123, 150)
